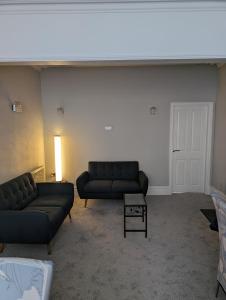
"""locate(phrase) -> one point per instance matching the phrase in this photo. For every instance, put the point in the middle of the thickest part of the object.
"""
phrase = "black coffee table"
(135, 206)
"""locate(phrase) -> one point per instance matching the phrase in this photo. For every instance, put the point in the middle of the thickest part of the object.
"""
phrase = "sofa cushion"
(127, 170)
(56, 215)
(98, 186)
(125, 186)
(51, 201)
(18, 192)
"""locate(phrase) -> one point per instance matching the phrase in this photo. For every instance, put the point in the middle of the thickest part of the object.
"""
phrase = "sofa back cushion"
(18, 192)
(116, 170)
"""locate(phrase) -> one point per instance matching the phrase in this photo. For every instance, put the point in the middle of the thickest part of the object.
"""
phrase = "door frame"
(209, 143)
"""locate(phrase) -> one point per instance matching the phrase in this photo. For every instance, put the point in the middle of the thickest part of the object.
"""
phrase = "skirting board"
(159, 190)
(164, 190)
(152, 190)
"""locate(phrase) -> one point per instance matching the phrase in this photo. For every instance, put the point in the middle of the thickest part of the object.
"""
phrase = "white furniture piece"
(25, 279)
(220, 206)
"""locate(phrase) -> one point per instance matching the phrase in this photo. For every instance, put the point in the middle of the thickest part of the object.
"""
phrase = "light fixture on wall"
(60, 110)
(17, 107)
(153, 110)
(14, 105)
(58, 157)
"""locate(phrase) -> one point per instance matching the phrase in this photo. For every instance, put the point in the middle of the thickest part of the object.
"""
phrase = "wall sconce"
(17, 107)
(153, 110)
(60, 110)
(58, 158)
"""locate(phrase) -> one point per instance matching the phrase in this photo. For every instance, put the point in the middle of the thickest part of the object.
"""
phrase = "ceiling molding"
(30, 2)
(108, 6)
(38, 68)
(113, 60)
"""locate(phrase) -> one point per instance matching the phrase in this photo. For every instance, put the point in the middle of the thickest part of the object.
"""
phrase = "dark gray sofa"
(32, 213)
(111, 180)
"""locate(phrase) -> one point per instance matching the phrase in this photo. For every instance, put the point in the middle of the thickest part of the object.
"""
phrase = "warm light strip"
(58, 161)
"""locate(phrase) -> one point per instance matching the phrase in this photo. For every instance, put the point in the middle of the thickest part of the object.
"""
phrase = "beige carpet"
(93, 261)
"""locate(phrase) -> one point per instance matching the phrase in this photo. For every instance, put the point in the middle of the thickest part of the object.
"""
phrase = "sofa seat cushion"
(51, 201)
(56, 215)
(98, 186)
(125, 186)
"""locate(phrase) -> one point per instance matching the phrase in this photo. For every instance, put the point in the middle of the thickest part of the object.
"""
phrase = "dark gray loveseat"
(112, 180)
(32, 213)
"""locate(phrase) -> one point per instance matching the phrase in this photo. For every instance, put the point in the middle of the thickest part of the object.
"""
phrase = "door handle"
(176, 150)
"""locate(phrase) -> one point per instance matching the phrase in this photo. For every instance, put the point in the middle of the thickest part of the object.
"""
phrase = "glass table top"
(134, 199)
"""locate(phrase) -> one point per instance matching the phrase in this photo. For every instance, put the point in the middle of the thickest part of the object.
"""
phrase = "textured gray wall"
(21, 134)
(219, 157)
(120, 97)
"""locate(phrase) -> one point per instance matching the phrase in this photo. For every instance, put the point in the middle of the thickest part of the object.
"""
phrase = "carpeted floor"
(93, 261)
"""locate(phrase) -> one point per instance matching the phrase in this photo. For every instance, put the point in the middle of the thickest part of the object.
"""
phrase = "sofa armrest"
(81, 182)
(143, 180)
(19, 226)
(55, 188)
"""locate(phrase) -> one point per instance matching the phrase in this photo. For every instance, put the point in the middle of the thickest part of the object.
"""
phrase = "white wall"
(113, 31)
(121, 97)
(21, 134)
(219, 158)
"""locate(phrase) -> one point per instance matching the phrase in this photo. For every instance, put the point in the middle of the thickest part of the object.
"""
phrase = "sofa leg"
(49, 248)
(86, 200)
(2, 247)
(217, 289)
(69, 214)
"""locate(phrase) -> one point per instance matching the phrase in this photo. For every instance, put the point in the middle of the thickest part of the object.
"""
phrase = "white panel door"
(189, 145)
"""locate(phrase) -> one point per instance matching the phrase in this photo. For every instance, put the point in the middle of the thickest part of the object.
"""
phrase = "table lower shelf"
(144, 219)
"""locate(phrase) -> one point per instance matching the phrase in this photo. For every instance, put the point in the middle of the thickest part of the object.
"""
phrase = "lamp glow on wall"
(58, 157)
